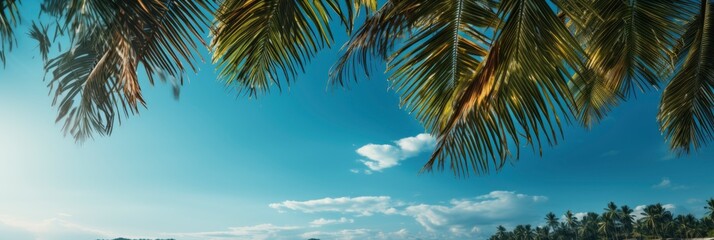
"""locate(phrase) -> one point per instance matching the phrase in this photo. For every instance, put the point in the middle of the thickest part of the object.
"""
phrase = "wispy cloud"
(362, 233)
(256, 232)
(462, 215)
(273, 232)
(51, 228)
(459, 218)
(322, 222)
(383, 156)
(362, 206)
(666, 183)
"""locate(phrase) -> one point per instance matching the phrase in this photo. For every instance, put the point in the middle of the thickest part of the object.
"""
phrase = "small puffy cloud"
(322, 222)
(666, 183)
(363, 206)
(382, 156)
(462, 216)
(256, 232)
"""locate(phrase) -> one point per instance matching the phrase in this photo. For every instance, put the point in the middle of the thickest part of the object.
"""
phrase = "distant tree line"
(655, 222)
(138, 239)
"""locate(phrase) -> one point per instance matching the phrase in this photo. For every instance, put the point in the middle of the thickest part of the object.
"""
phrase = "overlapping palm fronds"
(486, 77)
(628, 45)
(96, 80)
(484, 94)
(259, 43)
(483, 76)
(9, 17)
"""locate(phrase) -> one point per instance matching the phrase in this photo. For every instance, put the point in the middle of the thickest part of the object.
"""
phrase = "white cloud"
(346, 234)
(579, 216)
(457, 219)
(382, 156)
(667, 184)
(362, 233)
(322, 222)
(273, 232)
(464, 215)
(363, 206)
(256, 232)
(52, 228)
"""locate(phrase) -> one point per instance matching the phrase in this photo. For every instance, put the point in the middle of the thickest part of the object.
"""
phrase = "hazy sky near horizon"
(301, 163)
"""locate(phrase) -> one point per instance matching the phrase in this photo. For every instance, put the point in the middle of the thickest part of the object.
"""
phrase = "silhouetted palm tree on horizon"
(656, 222)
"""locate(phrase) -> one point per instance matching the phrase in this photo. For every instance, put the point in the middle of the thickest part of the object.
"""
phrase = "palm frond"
(259, 43)
(9, 17)
(519, 92)
(440, 56)
(685, 115)
(628, 49)
(96, 80)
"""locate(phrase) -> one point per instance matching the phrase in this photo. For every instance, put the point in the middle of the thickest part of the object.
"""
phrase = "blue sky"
(292, 165)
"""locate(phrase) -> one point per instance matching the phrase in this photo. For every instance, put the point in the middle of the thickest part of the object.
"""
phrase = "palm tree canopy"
(710, 208)
(485, 77)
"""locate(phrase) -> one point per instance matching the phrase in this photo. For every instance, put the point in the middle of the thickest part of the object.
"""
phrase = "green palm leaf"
(9, 17)
(96, 80)
(628, 45)
(686, 115)
(256, 43)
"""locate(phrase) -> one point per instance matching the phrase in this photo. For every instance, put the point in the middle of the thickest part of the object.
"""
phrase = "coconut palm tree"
(627, 220)
(656, 218)
(687, 226)
(484, 76)
(501, 233)
(588, 227)
(542, 233)
(552, 221)
(571, 224)
(606, 226)
(613, 215)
